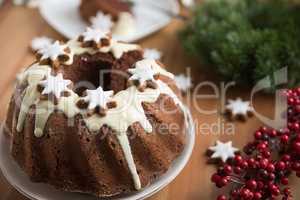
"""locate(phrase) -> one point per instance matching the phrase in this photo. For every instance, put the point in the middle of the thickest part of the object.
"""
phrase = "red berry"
(251, 184)
(291, 101)
(224, 181)
(272, 176)
(296, 147)
(284, 139)
(287, 191)
(270, 167)
(260, 185)
(251, 163)
(266, 154)
(274, 190)
(228, 169)
(215, 178)
(238, 159)
(257, 196)
(245, 193)
(280, 165)
(284, 181)
(222, 197)
(295, 126)
(273, 133)
(296, 166)
(264, 163)
(244, 164)
(257, 135)
(261, 146)
(237, 170)
(286, 158)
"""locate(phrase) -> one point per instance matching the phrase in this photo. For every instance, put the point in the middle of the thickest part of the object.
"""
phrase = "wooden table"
(19, 25)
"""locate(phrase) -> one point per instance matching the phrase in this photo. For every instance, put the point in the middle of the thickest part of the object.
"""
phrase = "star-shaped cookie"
(238, 109)
(102, 21)
(54, 85)
(223, 151)
(98, 97)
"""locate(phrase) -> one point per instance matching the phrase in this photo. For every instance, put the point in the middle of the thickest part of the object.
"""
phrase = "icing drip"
(124, 142)
(67, 105)
(28, 100)
(32, 77)
(43, 111)
(46, 108)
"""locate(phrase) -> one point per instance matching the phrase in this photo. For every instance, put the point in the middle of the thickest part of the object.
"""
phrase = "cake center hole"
(92, 71)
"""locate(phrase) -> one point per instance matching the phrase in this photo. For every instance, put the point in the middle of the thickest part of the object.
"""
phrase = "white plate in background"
(150, 16)
(38, 191)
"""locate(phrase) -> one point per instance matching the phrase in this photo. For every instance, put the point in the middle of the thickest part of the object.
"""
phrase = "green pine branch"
(246, 40)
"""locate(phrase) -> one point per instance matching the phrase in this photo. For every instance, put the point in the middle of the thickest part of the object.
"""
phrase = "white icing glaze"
(125, 25)
(43, 111)
(67, 104)
(118, 48)
(77, 49)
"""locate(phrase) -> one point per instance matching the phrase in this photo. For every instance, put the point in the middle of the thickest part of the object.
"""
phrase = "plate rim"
(175, 8)
(148, 191)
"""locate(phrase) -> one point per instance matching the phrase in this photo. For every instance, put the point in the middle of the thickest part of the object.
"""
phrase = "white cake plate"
(150, 15)
(38, 191)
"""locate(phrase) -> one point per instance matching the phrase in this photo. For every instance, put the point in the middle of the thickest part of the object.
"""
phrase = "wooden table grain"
(18, 26)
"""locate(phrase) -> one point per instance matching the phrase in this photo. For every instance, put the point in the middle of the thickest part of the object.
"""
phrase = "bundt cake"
(92, 116)
(114, 15)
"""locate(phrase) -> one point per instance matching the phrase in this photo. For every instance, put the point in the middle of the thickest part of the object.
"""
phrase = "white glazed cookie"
(239, 109)
(223, 151)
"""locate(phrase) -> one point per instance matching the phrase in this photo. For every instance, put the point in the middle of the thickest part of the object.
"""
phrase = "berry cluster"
(263, 171)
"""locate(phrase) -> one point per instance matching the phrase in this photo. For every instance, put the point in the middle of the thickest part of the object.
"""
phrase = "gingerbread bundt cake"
(92, 116)
(114, 15)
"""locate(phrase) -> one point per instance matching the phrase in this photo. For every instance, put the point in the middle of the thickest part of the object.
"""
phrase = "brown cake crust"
(71, 158)
(89, 8)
